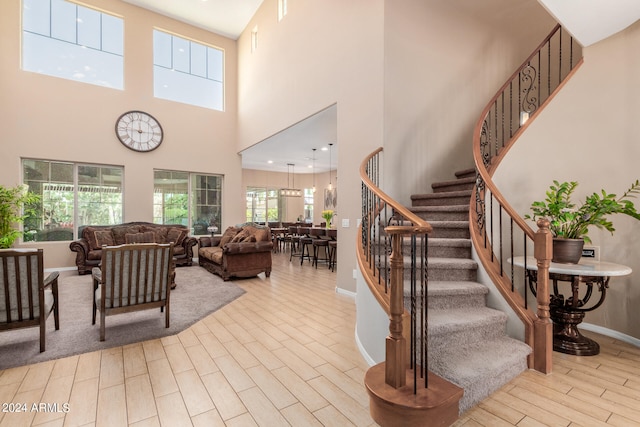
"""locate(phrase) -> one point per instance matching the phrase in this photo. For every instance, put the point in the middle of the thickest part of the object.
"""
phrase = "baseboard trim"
(610, 333)
(363, 351)
(345, 292)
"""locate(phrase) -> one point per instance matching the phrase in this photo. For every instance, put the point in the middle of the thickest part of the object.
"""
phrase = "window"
(263, 205)
(71, 195)
(74, 42)
(180, 196)
(308, 204)
(282, 9)
(188, 72)
(254, 39)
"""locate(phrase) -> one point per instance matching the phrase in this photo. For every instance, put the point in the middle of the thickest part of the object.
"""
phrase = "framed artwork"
(330, 198)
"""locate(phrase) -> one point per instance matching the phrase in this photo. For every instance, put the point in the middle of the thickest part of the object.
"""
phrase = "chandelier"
(290, 191)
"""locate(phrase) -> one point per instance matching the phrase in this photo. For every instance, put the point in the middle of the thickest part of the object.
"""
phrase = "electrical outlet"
(591, 252)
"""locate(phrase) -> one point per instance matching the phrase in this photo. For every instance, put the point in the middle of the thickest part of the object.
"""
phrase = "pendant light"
(313, 170)
(330, 186)
(290, 191)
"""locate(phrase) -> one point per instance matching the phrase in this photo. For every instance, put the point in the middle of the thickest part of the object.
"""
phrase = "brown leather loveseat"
(242, 251)
(89, 247)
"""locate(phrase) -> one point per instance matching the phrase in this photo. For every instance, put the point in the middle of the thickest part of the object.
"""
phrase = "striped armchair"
(26, 298)
(132, 277)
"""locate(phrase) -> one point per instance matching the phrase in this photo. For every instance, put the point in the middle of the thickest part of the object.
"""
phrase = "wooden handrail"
(491, 141)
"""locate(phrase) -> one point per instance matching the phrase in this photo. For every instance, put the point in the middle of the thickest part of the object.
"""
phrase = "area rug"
(198, 293)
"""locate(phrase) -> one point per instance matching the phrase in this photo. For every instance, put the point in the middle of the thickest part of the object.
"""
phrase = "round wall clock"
(139, 131)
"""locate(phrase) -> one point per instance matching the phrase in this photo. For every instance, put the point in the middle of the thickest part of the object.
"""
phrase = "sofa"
(242, 251)
(88, 247)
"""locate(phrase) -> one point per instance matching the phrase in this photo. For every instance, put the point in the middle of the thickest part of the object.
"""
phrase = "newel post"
(395, 367)
(543, 327)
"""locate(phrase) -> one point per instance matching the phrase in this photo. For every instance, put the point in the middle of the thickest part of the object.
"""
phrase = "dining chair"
(26, 297)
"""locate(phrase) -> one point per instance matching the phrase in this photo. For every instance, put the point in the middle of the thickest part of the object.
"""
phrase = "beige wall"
(295, 205)
(589, 134)
(50, 118)
(322, 53)
(443, 62)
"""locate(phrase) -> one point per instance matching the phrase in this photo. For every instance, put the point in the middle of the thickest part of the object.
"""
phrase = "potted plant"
(328, 216)
(571, 223)
(12, 203)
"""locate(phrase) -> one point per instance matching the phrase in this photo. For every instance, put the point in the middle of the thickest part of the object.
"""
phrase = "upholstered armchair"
(132, 277)
(26, 297)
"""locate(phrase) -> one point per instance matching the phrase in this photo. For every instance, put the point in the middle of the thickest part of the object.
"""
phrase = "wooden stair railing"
(497, 231)
(402, 391)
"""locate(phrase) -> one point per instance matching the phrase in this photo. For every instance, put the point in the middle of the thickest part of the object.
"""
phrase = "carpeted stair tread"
(465, 173)
(462, 243)
(438, 288)
(460, 184)
(444, 208)
(443, 287)
(464, 319)
(443, 195)
(451, 263)
(481, 367)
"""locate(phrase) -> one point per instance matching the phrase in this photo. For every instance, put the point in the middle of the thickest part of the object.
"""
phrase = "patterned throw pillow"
(176, 235)
(241, 236)
(146, 237)
(229, 234)
(103, 238)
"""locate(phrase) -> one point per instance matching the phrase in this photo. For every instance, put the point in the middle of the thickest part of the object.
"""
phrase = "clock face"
(139, 131)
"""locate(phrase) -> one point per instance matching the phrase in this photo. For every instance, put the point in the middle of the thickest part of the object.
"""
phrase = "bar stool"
(319, 241)
(333, 249)
(304, 241)
(332, 234)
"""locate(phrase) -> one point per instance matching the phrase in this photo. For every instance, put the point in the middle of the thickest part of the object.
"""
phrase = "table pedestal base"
(566, 336)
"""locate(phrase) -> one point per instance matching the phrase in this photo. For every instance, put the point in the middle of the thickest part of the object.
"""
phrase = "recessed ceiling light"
(269, 161)
(324, 149)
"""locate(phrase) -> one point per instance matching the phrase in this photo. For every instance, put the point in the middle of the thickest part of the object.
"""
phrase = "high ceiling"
(588, 20)
(226, 17)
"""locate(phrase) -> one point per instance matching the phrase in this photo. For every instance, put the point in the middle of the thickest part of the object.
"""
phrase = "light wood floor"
(284, 354)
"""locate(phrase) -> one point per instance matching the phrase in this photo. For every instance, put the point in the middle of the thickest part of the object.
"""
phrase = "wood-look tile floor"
(284, 354)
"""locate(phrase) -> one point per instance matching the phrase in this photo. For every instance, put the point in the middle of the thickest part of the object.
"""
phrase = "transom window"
(187, 71)
(73, 42)
(71, 195)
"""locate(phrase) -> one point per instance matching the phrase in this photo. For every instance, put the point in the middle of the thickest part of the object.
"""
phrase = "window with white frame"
(308, 204)
(282, 9)
(188, 198)
(71, 195)
(263, 204)
(66, 40)
(187, 71)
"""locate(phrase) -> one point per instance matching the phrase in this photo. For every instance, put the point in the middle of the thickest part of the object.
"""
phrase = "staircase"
(467, 341)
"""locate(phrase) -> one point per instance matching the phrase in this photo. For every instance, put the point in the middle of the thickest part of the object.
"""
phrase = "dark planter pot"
(567, 251)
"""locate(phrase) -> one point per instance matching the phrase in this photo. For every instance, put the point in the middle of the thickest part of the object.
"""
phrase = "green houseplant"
(569, 221)
(12, 202)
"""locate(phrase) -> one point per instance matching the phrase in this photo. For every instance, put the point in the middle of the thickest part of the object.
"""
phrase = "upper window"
(71, 195)
(187, 71)
(69, 41)
(282, 9)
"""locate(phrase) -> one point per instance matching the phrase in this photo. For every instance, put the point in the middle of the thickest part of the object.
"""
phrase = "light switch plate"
(345, 222)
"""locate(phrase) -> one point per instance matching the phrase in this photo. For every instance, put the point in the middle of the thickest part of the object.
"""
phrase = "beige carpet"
(198, 294)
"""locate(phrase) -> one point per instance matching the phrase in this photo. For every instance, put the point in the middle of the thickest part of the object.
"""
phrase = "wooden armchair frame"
(132, 277)
(26, 298)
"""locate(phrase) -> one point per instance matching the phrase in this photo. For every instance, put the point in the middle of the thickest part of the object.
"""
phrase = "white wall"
(589, 134)
(55, 119)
